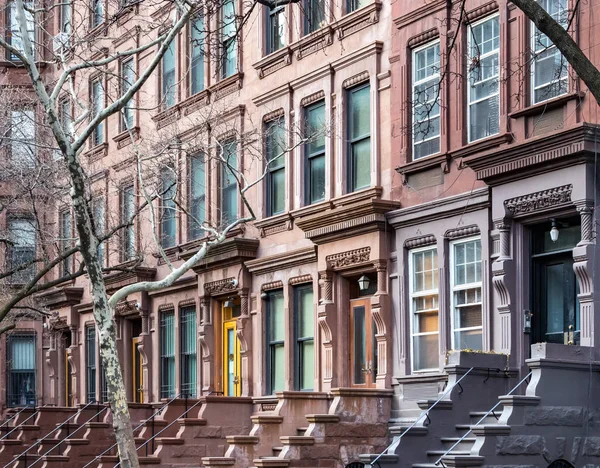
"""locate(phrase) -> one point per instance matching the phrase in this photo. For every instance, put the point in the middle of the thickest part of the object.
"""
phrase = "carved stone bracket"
(503, 227)
(326, 284)
(583, 267)
(586, 212)
(349, 258)
(221, 286)
(538, 200)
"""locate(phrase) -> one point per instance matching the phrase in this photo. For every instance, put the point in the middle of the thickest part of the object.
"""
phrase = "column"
(583, 266)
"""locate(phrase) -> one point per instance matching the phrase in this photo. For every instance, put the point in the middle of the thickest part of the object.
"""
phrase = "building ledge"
(59, 297)
(137, 274)
(195, 102)
(286, 259)
(232, 251)
(124, 138)
(274, 224)
(442, 160)
(544, 106)
(273, 62)
(97, 152)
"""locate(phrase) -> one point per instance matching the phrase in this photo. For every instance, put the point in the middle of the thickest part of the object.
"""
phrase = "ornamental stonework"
(349, 258)
(219, 287)
(538, 200)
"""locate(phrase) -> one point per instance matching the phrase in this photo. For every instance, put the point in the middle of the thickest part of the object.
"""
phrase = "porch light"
(228, 304)
(554, 231)
(363, 283)
(527, 321)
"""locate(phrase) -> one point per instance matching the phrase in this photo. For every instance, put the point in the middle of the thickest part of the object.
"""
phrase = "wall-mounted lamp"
(264, 295)
(228, 304)
(527, 321)
(363, 283)
(554, 231)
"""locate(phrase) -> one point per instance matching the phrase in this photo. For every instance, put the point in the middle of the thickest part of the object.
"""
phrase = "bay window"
(314, 150)
(359, 137)
(275, 342)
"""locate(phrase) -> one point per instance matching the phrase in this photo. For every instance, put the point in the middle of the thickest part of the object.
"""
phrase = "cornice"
(181, 284)
(420, 241)
(420, 13)
(61, 297)
(286, 259)
(424, 37)
(539, 201)
(274, 62)
(137, 274)
(275, 224)
(359, 55)
(235, 250)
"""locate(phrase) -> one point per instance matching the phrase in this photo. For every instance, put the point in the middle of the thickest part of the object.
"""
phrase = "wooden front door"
(363, 351)
(136, 366)
(232, 382)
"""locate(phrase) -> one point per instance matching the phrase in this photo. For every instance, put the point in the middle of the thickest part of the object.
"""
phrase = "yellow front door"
(136, 371)
(232, 382)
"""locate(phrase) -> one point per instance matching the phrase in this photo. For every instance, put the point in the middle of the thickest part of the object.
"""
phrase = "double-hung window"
(275, 153)
(65, 240)
(359, 137)
(549, 67)
(352, 5)
(229, 185)
(197, 45)
(465, 279)
(276, 28)
(20, 253)
(305, 337)
(424, 309)
(314, 150)
(15, 38)
(275, 342)
(98, 211)
(21, 370)
(22, 139)
(168, 192)
(426, 101)
(167, 354)
(228, 39)
(128, 220)
(97, 106)
(97, 12)
(197, 194)
(314, 15)
(168, 76)
(483, 89)
(128, 78)
(187, 318)
(90, 363)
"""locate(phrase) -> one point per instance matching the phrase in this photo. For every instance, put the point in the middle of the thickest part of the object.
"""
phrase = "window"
(65, 240)
(97, 12)
(275, 155)
(197, 194)
(197, 52)
(276, 28)
(21, 252)
(424, 309)
(21, 367)
(465, 278)
(426, 103)
(167, 354)
(22, 139)
(168, 192)
(228, 39)
(168, 78)
(188, 350)
(275, 340)
(549, 67)
(127, 217)
(353, 5)
(314, 150)
(229, 185)
(14, 35)
(98, 213)
(305, 337)
(128, 78)
(359, 138)
(66, 25)
(483, 91)
(97, 106)
(90, 363)
(314, 15)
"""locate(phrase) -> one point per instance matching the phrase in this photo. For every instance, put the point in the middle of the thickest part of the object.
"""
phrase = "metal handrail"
(397, 440)
(15, 415)
(39, 441)
(22, 423)
(67, 436)
(165, 428)
(136, 428)
(439, 460)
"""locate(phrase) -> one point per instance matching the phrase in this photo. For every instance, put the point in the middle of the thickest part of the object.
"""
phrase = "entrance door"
(68, 381)
(363, 354)
(136, 366)
(232, 384)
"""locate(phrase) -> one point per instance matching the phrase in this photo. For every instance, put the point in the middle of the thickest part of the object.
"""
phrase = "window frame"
(299, 341)
(31, 336)
(227, 42)
(309, 6)
(274, 165)
(91, 366)
(308, 156)
(97, 201)
(195, 232)
(272, 344)
(98, 136)
(168, 390)
(223, 168)
(25, 275)
(414, 84)
(22, 140)
(97, 13)
(188, 318)
(424, 293)
(270, 14)
(172, 92)
(352, 141)
(9, 31)
(168, 208)
(462, 287)
(64, 215)
(470, 72)
(127, 120)
(128, 242)
(195, 58)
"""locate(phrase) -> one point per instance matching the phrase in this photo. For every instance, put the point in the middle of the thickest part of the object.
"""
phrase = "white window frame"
(533, 88)
(462, 287)
(416, 83)
(469, 73)
(412, 295)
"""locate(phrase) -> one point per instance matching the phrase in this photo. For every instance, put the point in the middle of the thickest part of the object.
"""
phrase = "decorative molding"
(359, 20)
(286, 259)
(167, 117)
(538, 200)
(124, 278)
(314, 42)
(97, 152)
(132, 33)
(308, 100)
(356, 79)
(187, 303)
(273, 115)
(56, 322)
(195, 102)
(221, 286)
(427, 9)
(124, 164)
(227, 86)
(233, 251)
(273, 62)
(349, 258)
(481, 11)
(423, 38)
(127, 308)
(420, 241)
(275, 224)
(462, 232)
(272, 285)
(165, 307)
(123, 139)
(300, 279)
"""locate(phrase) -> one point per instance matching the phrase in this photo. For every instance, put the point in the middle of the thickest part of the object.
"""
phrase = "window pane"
(197, 197)
(167, 200)
(128, 75)
(277, 179)
(484, 118)
(97, 106)
(228, 183)
(127, 216)
(315, 15)
(426, 352)
(470, 339)
(307, 359)
(23, 150)
(167, 354)
(315, 124)
(276, 28)
(360, 344)
(361, 160)
(278, 369)
(197, 45)
(317, 178)
(169, 90)
(276, 313)
(360, 112)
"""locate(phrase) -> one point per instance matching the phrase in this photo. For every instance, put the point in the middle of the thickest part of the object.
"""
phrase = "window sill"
(428, 162)
(275, 224)
(481, 145)
(123, 139)
(540, 107)
(167, 116)
(273, 62)
(313, 42)
(195, 102)
(97, 152)
(127, 12)
(227, 86)
(96, 31)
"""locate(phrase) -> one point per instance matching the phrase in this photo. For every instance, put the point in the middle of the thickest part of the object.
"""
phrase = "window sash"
(187, 318)
(90, 363)
(128, 78)
(304, 332)
(314, 15)
(228, 39)
(276, 28)
(197, 196)
(274, 149)
(276, 341)
(65, 240)
(15, 39)
(168, 219)
(23, 136)
(358, 140)
(21, 369)
(228, 183)
(22, 250)
(197, 39)
(97, 13)
(167, 354)
(127, 213)
(98, 210)
(168, 78)
(97, 106)
(314, 185)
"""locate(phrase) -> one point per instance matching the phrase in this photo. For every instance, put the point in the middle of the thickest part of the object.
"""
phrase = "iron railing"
(5, 427)
(5, 436)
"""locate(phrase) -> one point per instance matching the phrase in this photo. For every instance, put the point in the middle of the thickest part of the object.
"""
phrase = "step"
(169, 441)
(301, 430)
(191, 421)
(519, 400)
(491, 430)
(266, 419)
(218, 461)
(463, 461)
(322, 418)
(149, 460)
(435, 454)
(462, 429)
(77, 441)
(242, 440)
(413, 431)
(441, 405)
(297, 440)
(464, 444)
(272, 462)
(489, 419)
(386, 458)
(277, 451)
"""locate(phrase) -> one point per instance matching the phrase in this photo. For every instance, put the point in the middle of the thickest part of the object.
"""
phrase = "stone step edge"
(323, 418)
(297, 440)
(242, 440)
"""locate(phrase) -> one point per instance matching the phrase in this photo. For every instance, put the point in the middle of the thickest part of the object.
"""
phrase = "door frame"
(136, 371)
(370, 375)
(237, 385)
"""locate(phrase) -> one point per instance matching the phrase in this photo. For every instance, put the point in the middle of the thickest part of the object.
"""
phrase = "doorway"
(363, 346)
(554, 286)
(232, 382)
(68, 387)
(137, 372)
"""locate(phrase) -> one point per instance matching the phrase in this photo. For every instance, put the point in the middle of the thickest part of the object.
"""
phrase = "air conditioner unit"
(60, 41)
